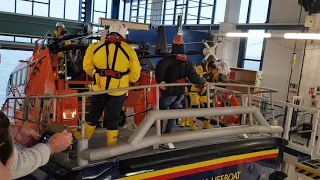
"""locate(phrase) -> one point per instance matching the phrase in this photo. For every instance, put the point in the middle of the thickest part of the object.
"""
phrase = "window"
(252, 65)
(109, 8)
(24, 75)
(134, 11)
(169, 12)
(254, 46)
(24, 7)
(40, 9)
(56, 9)
(253, 52)
(141, 11)
(220, 11)
(148, 16)
(10, 60)
(6, 38)
(251, 49)
(14, 80)
(72, 9)
(101, 8)
(121, 10)
(254, 11)
(19, 78)
(259, 11)
(23, 39)
(193, 9)
(8, 87)
(205, 15)
(7, 6)
(243, 11)
(180, 10)
(96, 16)
(34, 40)
(100, 5)
(127, 10)
(205, 12)
(67, 9)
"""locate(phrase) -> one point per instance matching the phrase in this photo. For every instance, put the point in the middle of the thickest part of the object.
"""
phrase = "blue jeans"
(169, 102)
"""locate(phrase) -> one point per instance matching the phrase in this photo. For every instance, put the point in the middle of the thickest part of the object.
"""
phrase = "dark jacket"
(170, 70)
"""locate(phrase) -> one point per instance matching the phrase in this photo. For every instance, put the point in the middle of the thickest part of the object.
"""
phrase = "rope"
(135, 114)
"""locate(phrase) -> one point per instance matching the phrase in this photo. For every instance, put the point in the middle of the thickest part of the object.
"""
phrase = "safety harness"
(183, 58)
(110, 72)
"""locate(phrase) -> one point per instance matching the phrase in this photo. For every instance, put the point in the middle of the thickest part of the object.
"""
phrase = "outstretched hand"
(24, 136)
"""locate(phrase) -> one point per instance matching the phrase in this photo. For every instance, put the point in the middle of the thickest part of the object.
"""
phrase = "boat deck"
(69, 160)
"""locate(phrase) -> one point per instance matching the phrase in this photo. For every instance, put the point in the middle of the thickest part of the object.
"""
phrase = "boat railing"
(54, 98)
(300, 123)
(253, 121)
(138, 139)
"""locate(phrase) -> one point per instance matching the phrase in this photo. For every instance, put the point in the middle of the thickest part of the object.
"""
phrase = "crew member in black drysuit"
(175, 68)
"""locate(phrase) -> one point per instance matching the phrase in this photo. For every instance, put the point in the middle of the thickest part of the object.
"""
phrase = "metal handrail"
(157, 86)
(146, 86)
(139, 141)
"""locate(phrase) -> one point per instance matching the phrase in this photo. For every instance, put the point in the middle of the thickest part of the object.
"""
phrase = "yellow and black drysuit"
(112, 63)
(186, 105)
(59, 35)
(198, 95)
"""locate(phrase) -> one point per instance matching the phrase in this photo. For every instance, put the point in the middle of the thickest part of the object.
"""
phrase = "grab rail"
(139, 141)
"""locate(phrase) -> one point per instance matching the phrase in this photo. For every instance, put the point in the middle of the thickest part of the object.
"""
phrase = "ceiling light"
(302, 36)
(249, 35)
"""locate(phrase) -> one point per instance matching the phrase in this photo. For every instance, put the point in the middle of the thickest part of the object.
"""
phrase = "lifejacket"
(224, 97)
(110, 72)
(57, 33)
(183, 58)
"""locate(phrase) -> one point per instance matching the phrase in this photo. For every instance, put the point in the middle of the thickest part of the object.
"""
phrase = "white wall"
(311, 69)
(286, 11)
(310, 73)
(278, 52)
(276, 64)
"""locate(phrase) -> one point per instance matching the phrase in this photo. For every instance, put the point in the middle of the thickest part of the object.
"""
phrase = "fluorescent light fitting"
(302, 36)
(249, 35)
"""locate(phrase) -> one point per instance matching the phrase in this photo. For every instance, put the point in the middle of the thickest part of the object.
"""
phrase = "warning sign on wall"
(311, 90)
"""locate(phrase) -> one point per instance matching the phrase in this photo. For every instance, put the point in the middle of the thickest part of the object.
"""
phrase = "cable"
(135, 114)
(293, 58)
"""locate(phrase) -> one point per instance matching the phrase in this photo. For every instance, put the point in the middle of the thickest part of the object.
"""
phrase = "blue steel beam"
(88, 11)
(115, 9)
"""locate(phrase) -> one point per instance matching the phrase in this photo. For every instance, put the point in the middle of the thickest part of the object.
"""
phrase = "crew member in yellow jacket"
(60, 30)
(198, 94)
(112, 63)
(59, 33)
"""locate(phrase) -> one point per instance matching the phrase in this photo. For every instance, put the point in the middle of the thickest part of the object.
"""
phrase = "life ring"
(234, 102)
